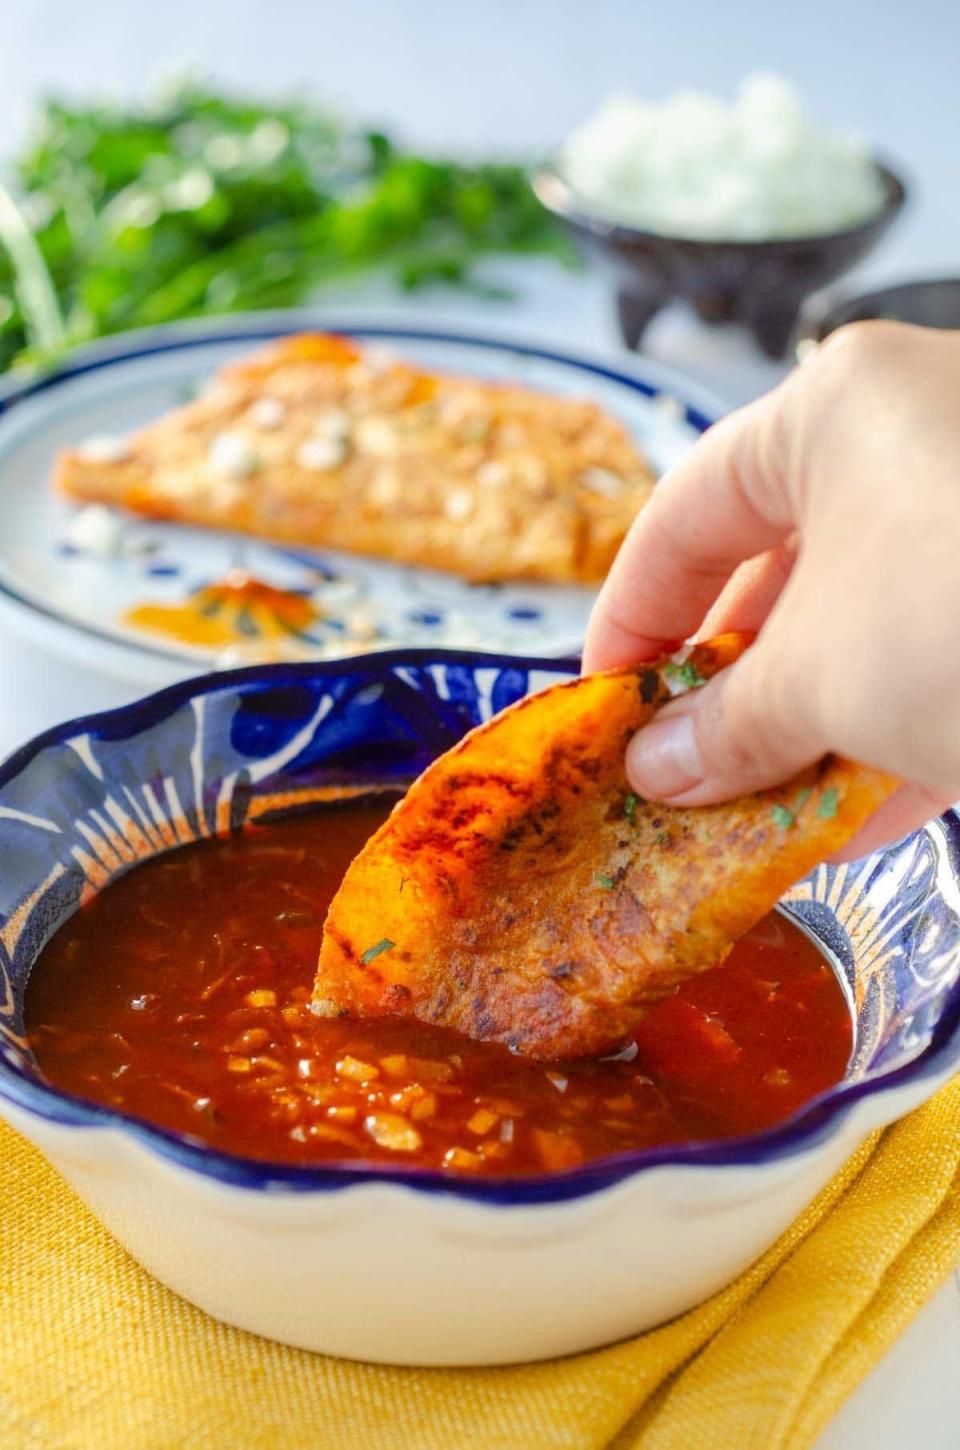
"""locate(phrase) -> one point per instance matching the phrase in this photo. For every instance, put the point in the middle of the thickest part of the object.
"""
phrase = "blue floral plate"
(69, 577)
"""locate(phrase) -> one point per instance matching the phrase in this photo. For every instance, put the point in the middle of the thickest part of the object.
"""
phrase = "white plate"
(74, 601)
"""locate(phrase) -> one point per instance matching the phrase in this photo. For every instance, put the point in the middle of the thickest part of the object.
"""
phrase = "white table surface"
(513, 75)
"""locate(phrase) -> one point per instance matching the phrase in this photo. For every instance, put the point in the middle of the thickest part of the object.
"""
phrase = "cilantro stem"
(42, 317)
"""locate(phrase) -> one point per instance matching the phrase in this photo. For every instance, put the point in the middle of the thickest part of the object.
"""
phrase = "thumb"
(750, 727)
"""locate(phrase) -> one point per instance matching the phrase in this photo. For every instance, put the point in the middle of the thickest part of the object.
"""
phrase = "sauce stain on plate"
(229, 611)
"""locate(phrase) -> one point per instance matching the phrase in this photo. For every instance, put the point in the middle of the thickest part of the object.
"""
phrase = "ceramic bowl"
(758, 284)
(409, 1266)
(928, 302)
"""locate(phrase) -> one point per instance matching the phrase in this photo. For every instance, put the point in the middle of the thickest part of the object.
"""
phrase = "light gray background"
(513, 76)
(516, 74)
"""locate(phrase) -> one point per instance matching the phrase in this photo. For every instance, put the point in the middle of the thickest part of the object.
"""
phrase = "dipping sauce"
(180, 995)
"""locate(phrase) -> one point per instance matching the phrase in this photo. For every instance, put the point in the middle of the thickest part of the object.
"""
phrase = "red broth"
(180, 995)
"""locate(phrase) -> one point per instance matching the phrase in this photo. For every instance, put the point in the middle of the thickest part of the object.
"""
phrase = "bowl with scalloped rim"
(491, 1271)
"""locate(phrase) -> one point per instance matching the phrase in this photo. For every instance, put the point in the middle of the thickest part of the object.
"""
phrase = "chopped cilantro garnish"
(827, 808)
(687, 673)
(630, 807)
(661, 837)
(607, 882)
(383, 945)
(802, 797)
(783, 816)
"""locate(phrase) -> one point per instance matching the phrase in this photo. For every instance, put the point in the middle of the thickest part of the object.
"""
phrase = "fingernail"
(663, 760)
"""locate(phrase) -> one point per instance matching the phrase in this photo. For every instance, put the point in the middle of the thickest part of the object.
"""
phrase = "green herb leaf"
(803, 795)
(631, 801)
(383, 945)
(783, 816)
(827, 809)
(687, 674)
(661, 838)
(197, 202)
(607, 882)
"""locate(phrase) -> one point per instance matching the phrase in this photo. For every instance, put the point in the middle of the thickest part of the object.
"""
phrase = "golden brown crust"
(530, 898)
(482, 479)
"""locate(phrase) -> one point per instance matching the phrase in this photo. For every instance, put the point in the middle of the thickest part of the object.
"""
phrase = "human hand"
(827, 517)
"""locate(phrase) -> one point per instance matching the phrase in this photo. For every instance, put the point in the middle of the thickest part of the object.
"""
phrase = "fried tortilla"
(522, 893)
(314, 441)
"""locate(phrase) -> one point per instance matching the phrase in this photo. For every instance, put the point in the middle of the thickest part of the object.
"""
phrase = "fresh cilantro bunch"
(198, 203)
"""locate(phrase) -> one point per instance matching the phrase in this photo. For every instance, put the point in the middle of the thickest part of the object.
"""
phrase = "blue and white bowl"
(408, 1266)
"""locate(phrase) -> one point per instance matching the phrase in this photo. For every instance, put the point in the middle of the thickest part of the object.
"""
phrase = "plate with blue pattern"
(70, 579)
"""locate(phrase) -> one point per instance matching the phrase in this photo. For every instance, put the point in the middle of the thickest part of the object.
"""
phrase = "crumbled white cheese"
(104, 448)
(458, 504)
(231, 456)
(694, 167)
(267, 413)
(385, 486)
(333, 423)
(375, 435)
(493, 474)
(601, 480)
(320, 453)
(95, 530)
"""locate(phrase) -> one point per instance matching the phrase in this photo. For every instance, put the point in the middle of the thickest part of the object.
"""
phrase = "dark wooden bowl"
(760, 285)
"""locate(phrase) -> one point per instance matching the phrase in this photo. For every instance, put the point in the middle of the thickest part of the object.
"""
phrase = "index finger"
(727, 501)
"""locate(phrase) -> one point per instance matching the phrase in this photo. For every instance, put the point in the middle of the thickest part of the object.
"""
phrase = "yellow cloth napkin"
(95, 1355)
